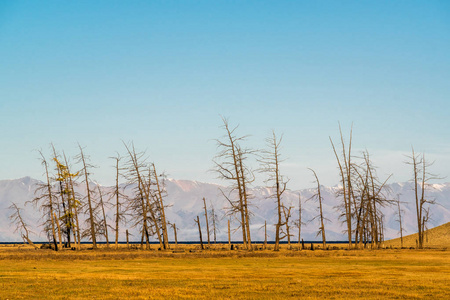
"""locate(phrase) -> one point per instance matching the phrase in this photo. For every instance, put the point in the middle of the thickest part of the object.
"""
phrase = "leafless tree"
(345, 170)
(287, 215)
(206, 220)
(92, 214)
(128, 238)
(17, 220)
(175, 229)
(298, 223)
(139, 205)
(119, 213)
(44, 199)
(158, 198)
(229, 234)
(426, 218)
(148, 203)
(230, 165)
(322, 219)
(270, 164)
(399, 220)
(368, 199)
(421, 178)
(103, 224)
(214, 220)
(265, 234)
(197, 221)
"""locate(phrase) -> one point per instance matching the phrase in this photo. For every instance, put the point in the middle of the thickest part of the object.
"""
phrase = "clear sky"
(160, 73)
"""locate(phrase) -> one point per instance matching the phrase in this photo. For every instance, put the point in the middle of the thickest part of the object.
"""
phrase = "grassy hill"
(437, 237)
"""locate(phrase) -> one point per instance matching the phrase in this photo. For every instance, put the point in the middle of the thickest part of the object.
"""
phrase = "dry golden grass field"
(438, 237)
(26, 273)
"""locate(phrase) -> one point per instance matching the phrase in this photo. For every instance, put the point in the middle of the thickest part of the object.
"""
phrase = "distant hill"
(184, 198)
(437, 237)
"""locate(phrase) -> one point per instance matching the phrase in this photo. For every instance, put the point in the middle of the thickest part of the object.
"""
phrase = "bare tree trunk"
(265, 234)
(415, 162)
(319, 197)
(199, 232)
(117, 194)
(104, 215)
(232, 169)
(244, 194)
(299, 219)
(270, 164)
(143, 194)
(17, 220)
(206, 219)
(59, 230)
(346, 183)
(229, 235)
(145, 205)
(175, 233)
(88, 194)
(50, 199)
(287, 215)
(422, 200)
(214, 224)
(163, 214)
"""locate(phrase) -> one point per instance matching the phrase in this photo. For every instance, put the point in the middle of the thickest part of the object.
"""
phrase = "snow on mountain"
(184, 198)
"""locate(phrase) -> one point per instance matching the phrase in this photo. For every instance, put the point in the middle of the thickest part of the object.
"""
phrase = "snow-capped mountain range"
(184, 198)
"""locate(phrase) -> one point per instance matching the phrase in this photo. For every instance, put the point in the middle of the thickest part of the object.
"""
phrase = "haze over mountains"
(184, 198)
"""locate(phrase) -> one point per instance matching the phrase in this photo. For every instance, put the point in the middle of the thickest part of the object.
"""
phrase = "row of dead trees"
(362, 192)
(64, 209)
(363, 195)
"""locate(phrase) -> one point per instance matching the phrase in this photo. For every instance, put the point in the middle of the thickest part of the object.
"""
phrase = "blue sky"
(160, 73)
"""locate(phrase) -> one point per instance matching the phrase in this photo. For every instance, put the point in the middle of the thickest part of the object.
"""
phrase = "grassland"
(137, 274)
(437, 237)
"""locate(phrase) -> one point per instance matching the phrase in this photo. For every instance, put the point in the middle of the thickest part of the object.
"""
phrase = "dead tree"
(298, 223)
(148, 203)
(104, 223)
(90, 202)
(139, 205)
(215, 220)
(229, 234)
(21, 226)
(399, 220)
(199, 232)
(287, 216)
(345, 171)
(160, 206)
(421, 178)
(265, 234)
(45, 201)
(369, 198)
(230, 165)
(245, 174)
(318, 197)
(270, 163)
(207, 221)
(426, 218)
(174, 227)
(117, 194)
